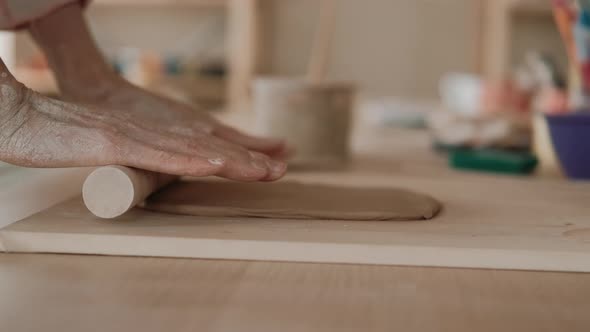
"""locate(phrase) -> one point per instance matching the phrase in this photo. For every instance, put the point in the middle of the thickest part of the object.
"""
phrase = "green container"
(493, 160)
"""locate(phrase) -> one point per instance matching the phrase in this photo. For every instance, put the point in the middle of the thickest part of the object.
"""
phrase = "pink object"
(552, 101)
(585, 66)
(16, 14)
(504, 96)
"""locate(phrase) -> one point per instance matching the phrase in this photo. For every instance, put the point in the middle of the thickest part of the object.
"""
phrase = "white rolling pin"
(110, 191)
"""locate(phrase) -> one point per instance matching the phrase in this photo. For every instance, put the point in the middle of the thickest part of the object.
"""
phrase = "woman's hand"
(37, 131)
(125, 125)
(162, 113)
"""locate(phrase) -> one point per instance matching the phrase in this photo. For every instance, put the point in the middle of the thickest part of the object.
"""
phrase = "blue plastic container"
(570, 134)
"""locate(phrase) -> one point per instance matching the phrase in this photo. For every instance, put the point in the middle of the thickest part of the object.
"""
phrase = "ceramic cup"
(313, 118)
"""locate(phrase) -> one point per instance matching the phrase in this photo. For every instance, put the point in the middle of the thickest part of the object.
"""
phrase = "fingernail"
(257, 161)
(277, 168)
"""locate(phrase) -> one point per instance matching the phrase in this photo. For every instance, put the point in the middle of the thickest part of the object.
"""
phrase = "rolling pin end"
(108, 192)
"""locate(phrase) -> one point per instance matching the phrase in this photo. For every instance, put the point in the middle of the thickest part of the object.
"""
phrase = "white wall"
(390, 47)
(174, 30)
(7, 49)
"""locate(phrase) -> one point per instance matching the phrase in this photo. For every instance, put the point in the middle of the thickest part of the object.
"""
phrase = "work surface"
(72, 293)
(486, 222)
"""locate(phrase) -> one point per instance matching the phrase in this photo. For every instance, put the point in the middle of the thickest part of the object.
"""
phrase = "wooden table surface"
(93, 293)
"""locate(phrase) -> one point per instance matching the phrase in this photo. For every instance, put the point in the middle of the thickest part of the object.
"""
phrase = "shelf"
(147, 3)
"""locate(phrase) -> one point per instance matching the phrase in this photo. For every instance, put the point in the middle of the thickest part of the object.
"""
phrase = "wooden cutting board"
(487, 222)
(25, 191)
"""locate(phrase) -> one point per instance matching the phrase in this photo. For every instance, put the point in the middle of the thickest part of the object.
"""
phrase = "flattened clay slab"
(292, 200)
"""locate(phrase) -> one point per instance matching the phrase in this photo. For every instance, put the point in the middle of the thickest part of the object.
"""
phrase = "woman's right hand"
(37, 131)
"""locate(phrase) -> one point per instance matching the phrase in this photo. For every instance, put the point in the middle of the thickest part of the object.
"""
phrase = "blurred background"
(478, 76)
(389, 47)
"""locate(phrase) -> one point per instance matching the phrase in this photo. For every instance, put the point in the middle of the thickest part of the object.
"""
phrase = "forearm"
(80, 68)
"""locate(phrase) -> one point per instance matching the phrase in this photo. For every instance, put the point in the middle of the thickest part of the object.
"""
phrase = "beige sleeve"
(15, 14)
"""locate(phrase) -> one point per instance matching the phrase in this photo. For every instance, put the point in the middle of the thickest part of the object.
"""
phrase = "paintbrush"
(582, 46)
(565, 18)
(565, 15)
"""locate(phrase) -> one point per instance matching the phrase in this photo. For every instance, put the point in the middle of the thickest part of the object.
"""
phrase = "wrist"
(88, 88)
(65, 39)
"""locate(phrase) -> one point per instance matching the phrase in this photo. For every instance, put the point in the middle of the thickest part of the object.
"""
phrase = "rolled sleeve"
(15, 14)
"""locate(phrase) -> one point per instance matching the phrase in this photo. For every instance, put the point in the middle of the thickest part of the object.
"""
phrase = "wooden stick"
(110, 191)
(318, 63)
(243, 45)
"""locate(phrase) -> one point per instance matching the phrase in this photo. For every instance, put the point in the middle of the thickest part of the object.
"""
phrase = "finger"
(169, 162)
(255, 168)
(240, 164)
(268, 146)
(277, 170)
